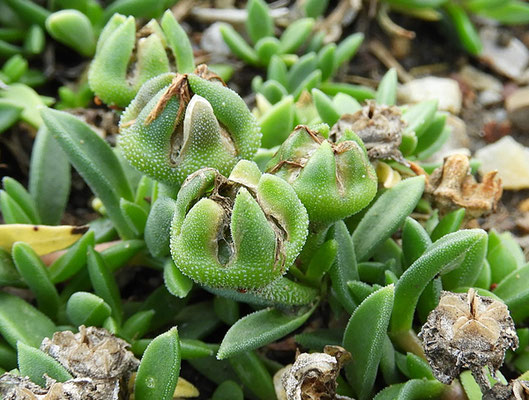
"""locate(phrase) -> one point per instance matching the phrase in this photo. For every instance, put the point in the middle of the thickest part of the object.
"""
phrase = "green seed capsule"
(241, 232)
(332, 177)
(113, 78)
(178, 124)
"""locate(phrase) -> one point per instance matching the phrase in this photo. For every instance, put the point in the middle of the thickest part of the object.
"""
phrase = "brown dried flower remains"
(451, 186)
(100, 363)
(380, 128)
(313, 376)
(467, 331)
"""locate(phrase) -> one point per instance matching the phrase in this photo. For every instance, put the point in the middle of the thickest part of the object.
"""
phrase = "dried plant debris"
(13, 387)
(93, 353)
(100, 363)
(313, 376)
(467, 331)
(452, 186)
(516, 390)
(380, 128)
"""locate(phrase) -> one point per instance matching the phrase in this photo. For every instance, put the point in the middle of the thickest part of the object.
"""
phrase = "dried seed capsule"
(125, 59)
(332, 177)
(241, 232)
(467, 331)
(312, 376)
(178, 124)
(380, 128)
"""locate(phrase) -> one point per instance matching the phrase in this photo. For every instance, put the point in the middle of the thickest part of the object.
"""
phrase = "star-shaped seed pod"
(467, 331)
(332, 177)
(125, 59)
(380, 127)
(180, 123)
(241, 232)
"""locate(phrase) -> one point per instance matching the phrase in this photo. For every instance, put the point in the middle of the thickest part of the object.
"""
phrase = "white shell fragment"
(508, 57)
(510, 159)
(445, 90)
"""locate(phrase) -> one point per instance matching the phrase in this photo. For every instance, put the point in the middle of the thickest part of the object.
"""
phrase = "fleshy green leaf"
(49, 177)
(74, 29)
(159, 368)
(449, 223)
(415, 240)
(34, 273)
(258, 329)
(71, 262)
(295, 34)
(20, 321)
(465, 29)
(344, 268)
(259, 24)
(95, 162)
(325, 107)
(446, 251)
(386, 215)
(137, 325)
(387, 88)
(364, 338)
(228, 390)
(176, 283)
(253, 374)
(179, 43)
(238, 45)
(34, 363)
(104, 283)
(19, 194)
(513, 290)
(87, 309)
(347, 49)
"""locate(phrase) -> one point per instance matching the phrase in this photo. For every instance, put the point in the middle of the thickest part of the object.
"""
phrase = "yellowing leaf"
(43, 239)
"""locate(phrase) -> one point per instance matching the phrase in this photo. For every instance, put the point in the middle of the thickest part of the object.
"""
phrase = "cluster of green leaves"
(251, 243)
(25, 25)
(459, 15)
(456, 15)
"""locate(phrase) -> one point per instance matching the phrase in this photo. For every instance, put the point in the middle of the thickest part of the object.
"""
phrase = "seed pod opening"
(180, 123)
(241, 232)
(332, 177)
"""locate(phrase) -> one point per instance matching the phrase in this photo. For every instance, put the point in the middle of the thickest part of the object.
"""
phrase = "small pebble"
(445, 90)
(510, 159)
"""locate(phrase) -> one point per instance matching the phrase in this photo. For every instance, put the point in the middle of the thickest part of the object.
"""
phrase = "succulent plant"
(210, 244)
(332, 177)
(114, 79)
(243, 232)
(178, 124)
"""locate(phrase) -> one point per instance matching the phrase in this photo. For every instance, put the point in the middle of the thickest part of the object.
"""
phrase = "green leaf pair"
(332, 178)
(109, 74)
(168, 134)
(260, 29)
(218, 221)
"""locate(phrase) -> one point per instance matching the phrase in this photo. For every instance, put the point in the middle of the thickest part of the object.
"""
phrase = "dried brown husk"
(467, 331)
(452, 186)
(380, 127)
(313, 376)
(100, 363)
